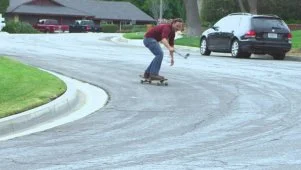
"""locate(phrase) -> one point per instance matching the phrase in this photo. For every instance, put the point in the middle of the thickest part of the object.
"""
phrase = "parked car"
(84, 26)
(243, 34)
(50, 26)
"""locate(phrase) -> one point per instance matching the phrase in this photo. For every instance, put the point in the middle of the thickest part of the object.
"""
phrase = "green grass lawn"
(134, 35)
(296, 39)
(188, 41)
(24, 87)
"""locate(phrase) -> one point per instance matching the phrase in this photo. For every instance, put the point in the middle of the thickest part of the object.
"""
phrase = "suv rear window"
(87, 22)
(52, 22)
(268, 23)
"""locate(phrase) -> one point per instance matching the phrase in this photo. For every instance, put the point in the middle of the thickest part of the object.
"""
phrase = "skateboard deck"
(151, 81)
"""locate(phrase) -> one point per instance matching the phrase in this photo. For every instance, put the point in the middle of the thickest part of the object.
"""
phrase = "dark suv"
(84, 26)
(242, 34)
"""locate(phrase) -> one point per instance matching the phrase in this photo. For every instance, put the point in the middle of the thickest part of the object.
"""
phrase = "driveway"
(217, 112)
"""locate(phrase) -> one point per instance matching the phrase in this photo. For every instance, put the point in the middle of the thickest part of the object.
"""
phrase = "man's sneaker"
(156, 77)
(162, 77)
(146, 75)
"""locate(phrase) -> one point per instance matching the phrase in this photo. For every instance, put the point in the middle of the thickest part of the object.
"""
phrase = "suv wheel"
(236, 51)
(204, 48)
(279, 56)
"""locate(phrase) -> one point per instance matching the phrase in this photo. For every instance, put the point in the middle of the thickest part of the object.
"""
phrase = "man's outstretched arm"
(170, 49)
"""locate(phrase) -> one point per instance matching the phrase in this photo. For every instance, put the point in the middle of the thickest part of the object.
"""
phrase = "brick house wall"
(294, 27)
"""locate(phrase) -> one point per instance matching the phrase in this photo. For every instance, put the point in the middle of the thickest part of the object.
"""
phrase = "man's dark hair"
(177, 20)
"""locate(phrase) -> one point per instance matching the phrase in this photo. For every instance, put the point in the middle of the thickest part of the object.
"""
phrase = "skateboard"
(150, 81)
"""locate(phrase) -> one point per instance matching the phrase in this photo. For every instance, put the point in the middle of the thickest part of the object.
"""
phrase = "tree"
(252, 6)
(193, 23)
(213, 10)
(3, 6)
(200, 5)
(241, 6)
(175, 9)
(288, 10)
(154, 7)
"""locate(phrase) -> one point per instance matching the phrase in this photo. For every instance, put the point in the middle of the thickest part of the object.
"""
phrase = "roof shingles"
(50, 10)
(109, 10)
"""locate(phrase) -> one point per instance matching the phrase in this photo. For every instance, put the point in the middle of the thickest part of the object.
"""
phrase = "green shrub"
(139, 28)
(19, 27)
(127, 28)
(293, 21)
(109, 28)
(207, 24)
(133, 28)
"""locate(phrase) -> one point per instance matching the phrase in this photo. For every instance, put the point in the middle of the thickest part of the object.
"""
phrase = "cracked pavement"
(218, 112)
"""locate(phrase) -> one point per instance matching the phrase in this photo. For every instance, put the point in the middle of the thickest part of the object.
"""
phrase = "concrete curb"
(48, 111)
(79, 99)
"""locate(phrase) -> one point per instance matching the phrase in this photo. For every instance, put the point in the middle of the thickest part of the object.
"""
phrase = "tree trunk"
(253, 6)
(193, 23)
(241, 6)
(200, 4)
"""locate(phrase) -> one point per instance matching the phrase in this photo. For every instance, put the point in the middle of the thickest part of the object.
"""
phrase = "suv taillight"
(289, 36)
(250, 34)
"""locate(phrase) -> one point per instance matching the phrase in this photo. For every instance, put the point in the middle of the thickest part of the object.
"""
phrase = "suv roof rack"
(269, 15)
(256, 15)
(240, 13)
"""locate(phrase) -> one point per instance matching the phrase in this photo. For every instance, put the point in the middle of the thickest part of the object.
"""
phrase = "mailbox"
(2, 24)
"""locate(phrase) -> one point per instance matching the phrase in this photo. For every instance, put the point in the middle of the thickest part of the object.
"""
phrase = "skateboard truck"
(150, 81)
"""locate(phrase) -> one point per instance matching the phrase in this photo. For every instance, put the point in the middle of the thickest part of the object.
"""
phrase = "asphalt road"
(218, 112)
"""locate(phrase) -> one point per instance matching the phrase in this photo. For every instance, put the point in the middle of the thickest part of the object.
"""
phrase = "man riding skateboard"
(164, 33)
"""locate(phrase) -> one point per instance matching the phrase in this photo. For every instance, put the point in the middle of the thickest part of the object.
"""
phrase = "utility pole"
(161, 10)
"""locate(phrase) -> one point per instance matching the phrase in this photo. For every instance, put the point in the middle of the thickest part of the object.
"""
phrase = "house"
(66, 11)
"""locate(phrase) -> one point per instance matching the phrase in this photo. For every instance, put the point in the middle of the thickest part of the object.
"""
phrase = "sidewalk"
(80, 100)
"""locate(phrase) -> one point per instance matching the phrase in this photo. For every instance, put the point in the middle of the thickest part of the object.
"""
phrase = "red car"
(50, 26)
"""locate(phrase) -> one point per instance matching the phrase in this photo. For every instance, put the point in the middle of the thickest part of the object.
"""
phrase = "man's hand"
(172, 62)
(171, 49)
(171, 57)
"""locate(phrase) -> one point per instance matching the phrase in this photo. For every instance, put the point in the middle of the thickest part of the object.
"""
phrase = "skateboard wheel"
(166, 84)
(141, 81)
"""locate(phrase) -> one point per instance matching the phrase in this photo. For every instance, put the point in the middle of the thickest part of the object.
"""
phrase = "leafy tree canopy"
(3, 5)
